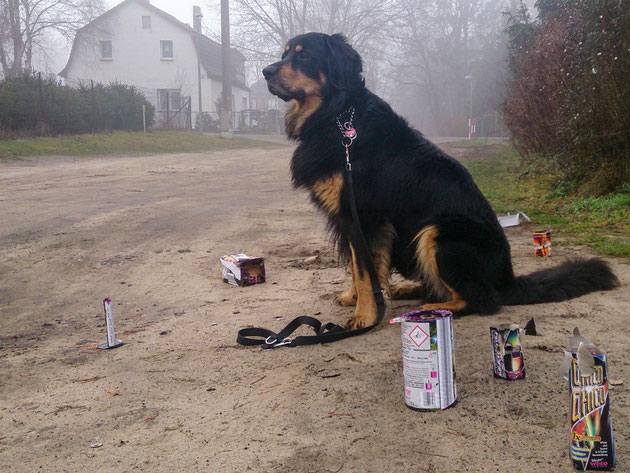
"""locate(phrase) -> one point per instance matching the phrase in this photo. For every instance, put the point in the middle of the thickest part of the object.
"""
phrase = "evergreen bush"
(35, 106)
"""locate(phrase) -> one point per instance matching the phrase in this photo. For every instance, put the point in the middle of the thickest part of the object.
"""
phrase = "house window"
(146, 22)
(166, 46)
(169, 99)
(106, 50)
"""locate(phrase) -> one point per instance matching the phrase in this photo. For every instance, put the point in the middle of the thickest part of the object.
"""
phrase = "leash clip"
(272, 342)
(348, 163)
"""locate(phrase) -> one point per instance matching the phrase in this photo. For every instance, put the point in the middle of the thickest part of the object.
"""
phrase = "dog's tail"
(566, 281)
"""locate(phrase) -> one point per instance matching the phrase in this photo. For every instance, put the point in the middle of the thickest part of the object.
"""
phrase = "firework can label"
(507, 351)
(591, 445)
(428, 360)
(542, 243)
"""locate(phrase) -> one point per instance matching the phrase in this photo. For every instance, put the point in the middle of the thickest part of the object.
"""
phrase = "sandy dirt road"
(182, 396)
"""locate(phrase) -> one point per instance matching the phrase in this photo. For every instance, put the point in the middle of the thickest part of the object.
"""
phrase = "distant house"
(261, 99)
(138, 44)
(267, 110)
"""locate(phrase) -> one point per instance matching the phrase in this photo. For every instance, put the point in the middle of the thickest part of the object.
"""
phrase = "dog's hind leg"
(454, 270)
(408, 290)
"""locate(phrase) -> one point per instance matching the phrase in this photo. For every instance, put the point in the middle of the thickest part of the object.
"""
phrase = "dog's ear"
(344, 63)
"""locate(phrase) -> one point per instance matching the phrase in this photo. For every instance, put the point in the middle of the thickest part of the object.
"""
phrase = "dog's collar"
(347, 129)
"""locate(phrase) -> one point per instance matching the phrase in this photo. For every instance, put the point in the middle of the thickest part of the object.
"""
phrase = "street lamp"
(470, 78)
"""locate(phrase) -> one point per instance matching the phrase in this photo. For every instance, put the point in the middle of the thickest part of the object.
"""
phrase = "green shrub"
(35, 106)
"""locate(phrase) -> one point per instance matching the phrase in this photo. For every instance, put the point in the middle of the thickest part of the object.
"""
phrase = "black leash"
(329, 332)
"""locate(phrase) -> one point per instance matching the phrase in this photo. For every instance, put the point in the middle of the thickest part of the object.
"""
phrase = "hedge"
(35, 106)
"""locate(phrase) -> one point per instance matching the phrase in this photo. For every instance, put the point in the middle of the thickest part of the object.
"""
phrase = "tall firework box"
(542, 243)
(242, 270)
(591, 444)
(507, 351)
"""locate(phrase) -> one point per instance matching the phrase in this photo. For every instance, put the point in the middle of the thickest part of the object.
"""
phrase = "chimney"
(197, 16)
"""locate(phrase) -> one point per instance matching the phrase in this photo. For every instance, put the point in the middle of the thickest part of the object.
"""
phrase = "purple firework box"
(242, 270)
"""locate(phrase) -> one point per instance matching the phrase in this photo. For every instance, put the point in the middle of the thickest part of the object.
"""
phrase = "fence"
(174, 111)
(244, 121)
(35, 104)
(180, 118)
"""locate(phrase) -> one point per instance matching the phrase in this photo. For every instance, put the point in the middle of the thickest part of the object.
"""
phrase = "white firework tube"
(109, 318)
(112, 341)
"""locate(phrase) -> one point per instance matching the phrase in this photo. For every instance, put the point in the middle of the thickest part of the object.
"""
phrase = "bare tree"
(439, 44)
(25, 25)
(426, 47)
(262, 27)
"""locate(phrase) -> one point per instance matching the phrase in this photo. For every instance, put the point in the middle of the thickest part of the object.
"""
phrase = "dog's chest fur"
(318, 167)
(326, 193)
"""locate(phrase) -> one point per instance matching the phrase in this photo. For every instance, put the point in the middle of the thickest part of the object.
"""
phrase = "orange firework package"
(542, 243)
(242, 270)
(591, 444)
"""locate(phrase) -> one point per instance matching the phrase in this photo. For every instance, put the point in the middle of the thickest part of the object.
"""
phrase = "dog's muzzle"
(275, 85)
(270, 71)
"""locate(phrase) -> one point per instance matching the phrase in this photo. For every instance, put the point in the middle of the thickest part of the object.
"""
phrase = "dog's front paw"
(346, 298)
(353, 323)
(359, 321)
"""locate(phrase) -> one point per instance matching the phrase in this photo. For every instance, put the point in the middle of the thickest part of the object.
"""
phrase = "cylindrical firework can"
(507, 352)
(542, 243)
(428, 359)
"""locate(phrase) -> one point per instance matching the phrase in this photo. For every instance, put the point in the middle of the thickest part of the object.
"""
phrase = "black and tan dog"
(420, 210)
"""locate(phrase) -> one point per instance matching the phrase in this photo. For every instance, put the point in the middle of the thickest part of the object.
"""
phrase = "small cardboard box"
(242, 270)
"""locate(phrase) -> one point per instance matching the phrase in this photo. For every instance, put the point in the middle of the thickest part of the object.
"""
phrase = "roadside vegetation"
(568, 100)
(34, 106)
(600, 222)
(122, 143)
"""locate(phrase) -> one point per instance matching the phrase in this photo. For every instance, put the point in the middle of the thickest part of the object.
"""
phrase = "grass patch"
(122, 143)
(476, 142)
(602, 223)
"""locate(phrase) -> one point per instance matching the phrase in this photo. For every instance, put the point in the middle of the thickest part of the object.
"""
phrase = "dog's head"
(314, 65)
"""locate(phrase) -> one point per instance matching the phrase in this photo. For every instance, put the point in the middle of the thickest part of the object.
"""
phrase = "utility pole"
(226, 56)
(197, 16)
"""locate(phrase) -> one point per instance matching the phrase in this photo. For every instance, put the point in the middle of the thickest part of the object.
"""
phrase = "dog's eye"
(303, 56)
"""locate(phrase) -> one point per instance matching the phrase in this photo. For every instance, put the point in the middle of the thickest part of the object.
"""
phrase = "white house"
(138, 44)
